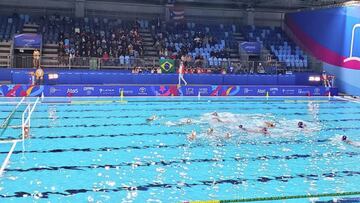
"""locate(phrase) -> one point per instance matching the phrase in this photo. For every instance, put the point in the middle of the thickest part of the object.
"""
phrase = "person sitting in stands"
(260, 69)
(134, 70)
(153, 70)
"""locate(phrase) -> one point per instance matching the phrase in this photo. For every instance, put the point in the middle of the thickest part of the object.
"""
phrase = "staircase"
(30, 28)
(235, 56)
(49, 52)
(50, 57)
(150, 56)
(5, 52)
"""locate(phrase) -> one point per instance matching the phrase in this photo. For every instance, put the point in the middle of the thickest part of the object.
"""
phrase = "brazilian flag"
(167, 66)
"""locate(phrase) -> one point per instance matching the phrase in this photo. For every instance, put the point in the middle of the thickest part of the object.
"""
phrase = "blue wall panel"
(20, 76)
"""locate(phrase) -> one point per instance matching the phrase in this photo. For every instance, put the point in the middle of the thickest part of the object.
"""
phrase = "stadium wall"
(332, 35)
(22, 76)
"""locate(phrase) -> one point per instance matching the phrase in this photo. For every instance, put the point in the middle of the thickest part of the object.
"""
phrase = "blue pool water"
(100, 151)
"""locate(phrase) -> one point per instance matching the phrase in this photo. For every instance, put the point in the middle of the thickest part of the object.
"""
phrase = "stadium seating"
(209, 43)
(9, 25)
(120, 42)
(279, 44)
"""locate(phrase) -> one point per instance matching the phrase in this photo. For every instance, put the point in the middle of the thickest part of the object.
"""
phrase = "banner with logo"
(161, 90)
(253, 48)
(28, 40)
(167, 65)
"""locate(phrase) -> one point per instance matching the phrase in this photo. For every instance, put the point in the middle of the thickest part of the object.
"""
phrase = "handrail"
(149, 62)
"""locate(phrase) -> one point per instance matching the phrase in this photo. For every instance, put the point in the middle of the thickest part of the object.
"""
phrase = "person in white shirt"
(181, 74)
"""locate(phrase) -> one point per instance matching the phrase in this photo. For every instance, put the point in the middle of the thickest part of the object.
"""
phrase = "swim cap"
(343, 138)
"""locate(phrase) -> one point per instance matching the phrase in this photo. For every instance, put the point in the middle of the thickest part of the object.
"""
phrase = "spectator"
(260, 69)
(105, 57)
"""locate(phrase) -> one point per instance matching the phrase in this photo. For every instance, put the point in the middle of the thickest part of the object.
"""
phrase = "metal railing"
(238, 65)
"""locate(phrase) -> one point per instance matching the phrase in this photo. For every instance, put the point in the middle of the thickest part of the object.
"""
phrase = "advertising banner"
(253, 48)
(160, 90)
(28, 41)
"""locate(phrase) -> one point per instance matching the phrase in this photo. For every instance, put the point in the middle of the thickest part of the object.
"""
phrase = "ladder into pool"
(25, 128)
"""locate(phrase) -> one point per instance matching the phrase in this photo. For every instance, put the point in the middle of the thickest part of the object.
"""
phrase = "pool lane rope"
(8, 118)
(258, 199)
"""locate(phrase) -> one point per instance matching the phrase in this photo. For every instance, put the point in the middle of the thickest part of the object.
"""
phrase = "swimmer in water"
(269, 124)
(151, 118)
(227, 135)
(264, 131)
(210, 131)
(301, 124)
(217, 119)
(241, 127)
(215, 116)
(349, 142)
(192, 136)
(186, 122)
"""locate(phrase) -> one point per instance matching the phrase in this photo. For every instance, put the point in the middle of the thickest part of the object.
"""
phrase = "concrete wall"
(129, 10)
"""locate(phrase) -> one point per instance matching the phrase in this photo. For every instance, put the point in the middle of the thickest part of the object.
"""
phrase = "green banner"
(167, 65)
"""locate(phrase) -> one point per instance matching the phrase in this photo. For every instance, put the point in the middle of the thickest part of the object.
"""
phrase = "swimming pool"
(101, 151)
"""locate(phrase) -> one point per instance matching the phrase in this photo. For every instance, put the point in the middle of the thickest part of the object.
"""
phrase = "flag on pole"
(167, 65)
(177, 13)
